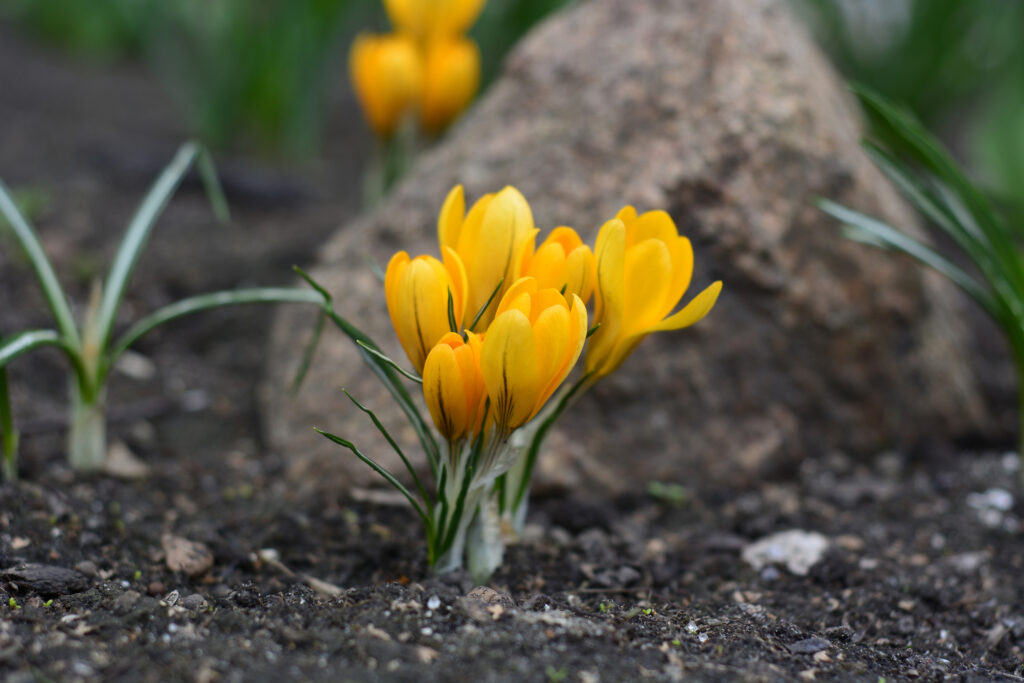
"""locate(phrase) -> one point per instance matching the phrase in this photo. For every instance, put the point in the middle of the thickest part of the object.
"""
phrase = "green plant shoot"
(91, 348)
(927, 174)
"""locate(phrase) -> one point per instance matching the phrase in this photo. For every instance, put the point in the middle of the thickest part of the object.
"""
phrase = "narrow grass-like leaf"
(23, 342)
(882, 234)
(314, 284)
(480, 313)
(137, 234)
(457, 511)
(926, 150)
(592, 330)
(308, 352)
(399, 486)
(408, 374)
(33, 248)
(205, 302)
(941, 207)
(377, 271)
(442, 517)
(405, 461)
(211, 183)
(538, 438)
(384, 372)
(453, 325)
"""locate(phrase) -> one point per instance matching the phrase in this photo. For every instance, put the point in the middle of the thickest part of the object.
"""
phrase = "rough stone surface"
(723, 113)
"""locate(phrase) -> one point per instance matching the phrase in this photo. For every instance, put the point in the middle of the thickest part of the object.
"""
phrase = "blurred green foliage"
(958, 65)
(256, 74)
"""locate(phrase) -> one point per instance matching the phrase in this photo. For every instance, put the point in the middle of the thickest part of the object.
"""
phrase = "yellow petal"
(449, 222)
(451, 78)
(418, 305)
(392, 275)
(581, 272)
(575, 338)
(656, 225)
(509, 363)
(457, 281)
(627, 215)
(610, 254)
(682, 271)
(648, 275)
(387, 76)
(551, 331)
(699, 307)
(489, 248)
(444, 392)
(518, 297)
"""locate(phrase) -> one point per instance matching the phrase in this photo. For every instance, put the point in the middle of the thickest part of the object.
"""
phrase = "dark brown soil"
(922, 579)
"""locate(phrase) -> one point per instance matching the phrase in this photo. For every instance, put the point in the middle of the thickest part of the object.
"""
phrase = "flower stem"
(87, 431)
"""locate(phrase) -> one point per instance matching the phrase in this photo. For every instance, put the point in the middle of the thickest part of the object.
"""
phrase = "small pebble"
(156, 588)
(692, 627)
(127, 600)
(434, 602)
(87, 567)
(194, 601)
(808, 646)
(992, 499)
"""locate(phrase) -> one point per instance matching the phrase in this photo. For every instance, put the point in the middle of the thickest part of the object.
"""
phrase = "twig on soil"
(269, 557)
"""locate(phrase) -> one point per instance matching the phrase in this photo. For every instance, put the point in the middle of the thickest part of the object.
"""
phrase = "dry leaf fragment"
(426, 654)
(183, 555)
(123, 464)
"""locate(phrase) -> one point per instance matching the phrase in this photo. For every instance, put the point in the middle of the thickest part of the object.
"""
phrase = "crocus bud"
(492, 241)
(535, 340)
(563, 260)
(417, 293)
(453, 387)
(643, 268)
(451, 78)
(429, 20)
(387, 76)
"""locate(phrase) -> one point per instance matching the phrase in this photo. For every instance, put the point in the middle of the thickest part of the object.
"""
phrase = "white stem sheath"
(87, 434)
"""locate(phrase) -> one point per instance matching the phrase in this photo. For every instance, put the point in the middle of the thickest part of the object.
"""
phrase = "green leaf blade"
(23, 342)
(141, 227)
(205, 302)
(33, 248)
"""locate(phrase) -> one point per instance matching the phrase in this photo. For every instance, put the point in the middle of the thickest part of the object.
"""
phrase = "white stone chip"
(795, 549)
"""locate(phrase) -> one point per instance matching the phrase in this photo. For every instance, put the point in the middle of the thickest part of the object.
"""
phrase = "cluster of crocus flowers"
(522, 308)
(427, 66)
(493, 330)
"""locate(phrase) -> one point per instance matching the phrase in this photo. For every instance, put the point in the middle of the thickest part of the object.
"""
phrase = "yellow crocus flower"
(643, 268)
(453, 387)
(535, 340)
(387, 76)
(563, 260)
(430, 20)
(417, 293)
(492, 241)
(451, 78)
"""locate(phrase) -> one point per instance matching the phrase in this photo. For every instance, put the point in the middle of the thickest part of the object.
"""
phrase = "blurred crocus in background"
(427, 67)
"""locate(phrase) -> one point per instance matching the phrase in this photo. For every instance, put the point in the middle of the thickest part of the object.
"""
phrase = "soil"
(922, 577)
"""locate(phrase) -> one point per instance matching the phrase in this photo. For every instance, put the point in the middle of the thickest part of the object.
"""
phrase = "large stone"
(725, 114)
